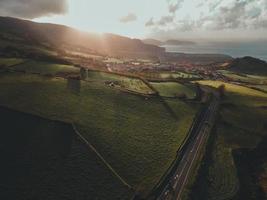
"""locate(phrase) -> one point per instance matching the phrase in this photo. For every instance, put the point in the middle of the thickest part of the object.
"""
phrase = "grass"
(61, 166)
(138, 137)
(172, 89)
(263, 177)
(232, 88)
(6, 62)
(259, 87)
(46, 68)
(170, 75)
(123, 82)
(222, 175)
(245, 77)
(242, 125)
(21, 45)
(176, 75)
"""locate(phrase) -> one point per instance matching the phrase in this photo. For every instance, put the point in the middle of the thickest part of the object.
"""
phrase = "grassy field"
(21, 45)
(139, 137)
(123, 82)
(177, 75)
(173, 89)
(61, 166)
(242, 125)
(222, 176)
(6, 62)
(259, 87)
(170, 75)
(45, 68)
(245, 77)
(236, 89)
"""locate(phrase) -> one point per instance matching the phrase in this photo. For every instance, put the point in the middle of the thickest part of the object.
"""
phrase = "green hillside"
(139, 137)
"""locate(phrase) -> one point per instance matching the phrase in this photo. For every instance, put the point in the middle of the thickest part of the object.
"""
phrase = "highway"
(178, 180)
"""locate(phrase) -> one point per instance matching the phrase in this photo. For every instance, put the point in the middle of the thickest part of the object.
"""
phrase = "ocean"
(254, 49)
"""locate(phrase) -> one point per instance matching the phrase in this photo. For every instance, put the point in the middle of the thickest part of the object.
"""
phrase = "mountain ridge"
(171, 42)
(56, 35)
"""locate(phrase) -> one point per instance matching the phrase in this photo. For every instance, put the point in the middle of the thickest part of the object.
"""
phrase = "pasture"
(169, 75)
(121, 82)
(137, 136)
(173, 89)
(46, 68)
(7, 62)
(233, 88)
(242, 125)
(246, 78)
(61, 165)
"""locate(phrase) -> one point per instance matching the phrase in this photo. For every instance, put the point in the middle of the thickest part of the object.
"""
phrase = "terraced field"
(137, 136)
(173, 89)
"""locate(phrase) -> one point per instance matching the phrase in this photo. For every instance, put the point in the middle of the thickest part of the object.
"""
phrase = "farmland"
(61, 166)
(136, 135)
(46, 68)
(174, 89)
(170, 75)
(123, 82)
(252, 79)
(235, 89)
(237, 131)
(6, 62)
(90, 116)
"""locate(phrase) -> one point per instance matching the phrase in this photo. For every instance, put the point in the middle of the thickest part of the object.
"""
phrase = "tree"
(199, 92)
(221, 90)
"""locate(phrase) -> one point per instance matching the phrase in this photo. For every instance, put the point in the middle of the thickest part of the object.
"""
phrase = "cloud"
(173, 7)
(213, 19)
(150, 22)
(244, 14)
(164, 20)
(31, 9)
(214, 4)
(215, 15)
(128, 18)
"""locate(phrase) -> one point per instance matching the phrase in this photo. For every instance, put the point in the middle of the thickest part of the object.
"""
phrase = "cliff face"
(59, 35)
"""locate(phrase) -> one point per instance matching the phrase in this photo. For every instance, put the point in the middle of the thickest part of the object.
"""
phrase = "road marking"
(201, 131)
(192, 161)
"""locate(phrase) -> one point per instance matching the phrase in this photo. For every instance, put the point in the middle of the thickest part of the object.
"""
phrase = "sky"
(160, 19)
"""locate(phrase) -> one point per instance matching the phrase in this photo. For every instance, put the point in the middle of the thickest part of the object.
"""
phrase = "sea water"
(234, 49)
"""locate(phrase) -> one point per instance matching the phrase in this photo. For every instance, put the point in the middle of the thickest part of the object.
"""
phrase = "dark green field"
(250, 79)
(137, 136)
(6, 62)
(170, 75)
(46, 68)
(173, 89)
(241, 128)
(43, 159)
